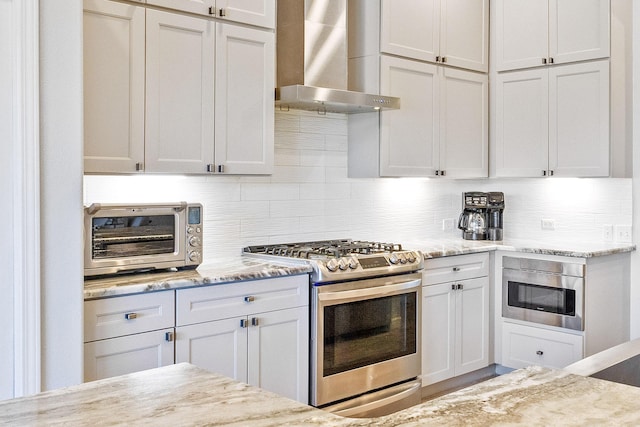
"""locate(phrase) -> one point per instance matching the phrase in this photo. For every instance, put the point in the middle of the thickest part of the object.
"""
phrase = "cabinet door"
(438, 333)
(409, 141)
(521, 28)
(201, 7)
(464, 124)
(113, 86)
(179, 102)
(472, 321)
(464, 34)
(410, 28)
(524, 346)
(219, 347)
(257, 12)
(579, 119)
(521, 124)
(124, 355)
(245, 70)
(279, 352)
(578, 30)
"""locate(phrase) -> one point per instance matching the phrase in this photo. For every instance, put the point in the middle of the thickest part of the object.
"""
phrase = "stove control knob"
(332, 265)
(411, 256)
(402, 258)
(393, 258)
(343, 264)
(353, 263)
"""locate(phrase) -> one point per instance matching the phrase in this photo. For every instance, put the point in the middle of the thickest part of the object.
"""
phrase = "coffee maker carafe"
(481, 217)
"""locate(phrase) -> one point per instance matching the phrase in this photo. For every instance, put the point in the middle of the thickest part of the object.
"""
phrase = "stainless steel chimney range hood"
(312, 60)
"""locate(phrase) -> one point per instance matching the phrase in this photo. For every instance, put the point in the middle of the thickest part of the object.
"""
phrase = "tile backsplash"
(309, 196)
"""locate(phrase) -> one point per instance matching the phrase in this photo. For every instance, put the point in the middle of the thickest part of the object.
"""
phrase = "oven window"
(361, 333)
(542, 298)
(127, 236)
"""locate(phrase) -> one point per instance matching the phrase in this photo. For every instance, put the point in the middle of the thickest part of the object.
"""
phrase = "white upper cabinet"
(532, 33)
(256, 12)
(113, 86)
(179, 95)
(244, 131)
(552, 121)
(455, 32)
(440, 130)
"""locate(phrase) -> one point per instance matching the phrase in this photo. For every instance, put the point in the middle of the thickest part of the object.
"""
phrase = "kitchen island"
(184, 395)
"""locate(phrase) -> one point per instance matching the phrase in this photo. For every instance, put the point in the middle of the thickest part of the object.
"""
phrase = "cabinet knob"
(139, 167)
(168, 336)
(544, 60)
(254, 321)
(460, 286)
(539, 352)
(222, 12)
(131, 316)
(211, 168)
(443, 173)
(550, 173)
(212, 11)
(249, 298)
(544, 173)
(550, 60)
(437, 59)
(243, 323)
(456, 269)
(444, 59)
(453, 286)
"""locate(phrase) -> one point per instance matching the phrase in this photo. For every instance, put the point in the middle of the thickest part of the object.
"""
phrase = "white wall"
(310, 197)
(6, 185)
(61, 190)
(635, 257)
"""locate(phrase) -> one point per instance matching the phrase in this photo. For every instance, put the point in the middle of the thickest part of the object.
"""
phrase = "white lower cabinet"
(255, 332)
(525, 346)
(455, 319)
(131, 353)
(128, 334)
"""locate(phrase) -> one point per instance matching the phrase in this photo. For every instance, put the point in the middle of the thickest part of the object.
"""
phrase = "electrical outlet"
(447, 224)
(623, 233)
(548, 224)
(607, 232)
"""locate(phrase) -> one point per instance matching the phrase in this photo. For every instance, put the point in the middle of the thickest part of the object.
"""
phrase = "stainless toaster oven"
(128, 238)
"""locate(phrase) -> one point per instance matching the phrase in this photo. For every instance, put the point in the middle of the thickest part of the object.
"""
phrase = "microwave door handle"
(378, 291)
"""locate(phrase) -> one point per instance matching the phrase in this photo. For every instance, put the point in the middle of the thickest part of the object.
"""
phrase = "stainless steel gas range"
(365, 323)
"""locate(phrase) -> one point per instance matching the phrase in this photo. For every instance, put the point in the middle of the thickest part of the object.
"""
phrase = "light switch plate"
(607, 233)
(548, 224)
(447, 224)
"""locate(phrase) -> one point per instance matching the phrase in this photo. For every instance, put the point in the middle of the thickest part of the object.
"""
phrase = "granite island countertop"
(184, 395)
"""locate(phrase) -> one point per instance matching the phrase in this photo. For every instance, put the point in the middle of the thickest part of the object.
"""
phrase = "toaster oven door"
(133, 238)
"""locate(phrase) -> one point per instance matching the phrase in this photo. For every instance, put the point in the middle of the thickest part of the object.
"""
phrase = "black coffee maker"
(481, 217)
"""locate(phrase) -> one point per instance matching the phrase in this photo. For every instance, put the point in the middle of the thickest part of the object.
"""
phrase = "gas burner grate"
(331, 248)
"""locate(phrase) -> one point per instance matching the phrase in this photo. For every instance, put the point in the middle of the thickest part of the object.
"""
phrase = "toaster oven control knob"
(194, 256)
(332, 265)
(189, 230)
(353, 264)
(194, 241)
(343, 264)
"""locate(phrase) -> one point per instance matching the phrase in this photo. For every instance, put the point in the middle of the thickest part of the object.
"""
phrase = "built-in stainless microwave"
(126, 238)
(543, 291)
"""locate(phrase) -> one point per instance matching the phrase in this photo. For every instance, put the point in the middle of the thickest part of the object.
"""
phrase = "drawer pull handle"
(131, 316)
(456, 269)
(539, 352)
(249, 298)
(168, 336)
(254, 321)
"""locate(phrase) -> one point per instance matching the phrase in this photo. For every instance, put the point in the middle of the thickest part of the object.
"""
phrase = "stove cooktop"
(344, 259)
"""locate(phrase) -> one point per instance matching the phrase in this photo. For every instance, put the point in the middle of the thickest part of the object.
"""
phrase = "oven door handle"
(376, 291)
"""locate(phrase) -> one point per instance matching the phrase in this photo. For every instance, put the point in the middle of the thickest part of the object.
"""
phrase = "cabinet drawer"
(132, 314)
(452, 268)
(217, 302)
(525, 346)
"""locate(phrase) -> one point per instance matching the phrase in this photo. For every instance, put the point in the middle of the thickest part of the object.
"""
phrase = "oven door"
(365, 336)
(550, 299)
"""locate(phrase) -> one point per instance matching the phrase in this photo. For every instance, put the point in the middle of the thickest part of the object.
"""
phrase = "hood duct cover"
(312, 60)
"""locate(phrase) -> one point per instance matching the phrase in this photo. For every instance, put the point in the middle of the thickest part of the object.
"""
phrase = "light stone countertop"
(242, 268)
(222, 271)
(184, 395)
